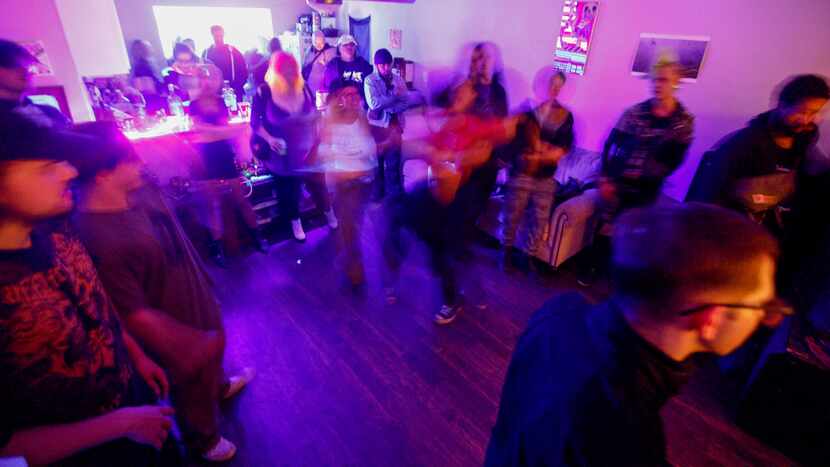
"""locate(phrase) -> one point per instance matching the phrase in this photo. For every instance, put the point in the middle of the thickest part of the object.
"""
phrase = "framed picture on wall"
(38, 50)
(690, 51)
(576, 28)
(395, 38)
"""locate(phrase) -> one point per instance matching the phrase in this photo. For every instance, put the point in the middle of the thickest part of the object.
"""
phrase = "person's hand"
(148, 424)
(607, 190)
(278, 145)
(154, 376)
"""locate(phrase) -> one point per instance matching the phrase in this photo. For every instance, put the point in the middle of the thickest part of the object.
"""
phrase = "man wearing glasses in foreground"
(586, 382)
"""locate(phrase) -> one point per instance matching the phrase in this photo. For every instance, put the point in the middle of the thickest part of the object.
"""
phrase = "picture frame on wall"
(690, 51)
(395, 38)
(43, 67)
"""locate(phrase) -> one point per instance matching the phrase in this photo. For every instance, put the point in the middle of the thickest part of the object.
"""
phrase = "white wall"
(27, 20)
(94, 35)
(137, 21)
(755, 44)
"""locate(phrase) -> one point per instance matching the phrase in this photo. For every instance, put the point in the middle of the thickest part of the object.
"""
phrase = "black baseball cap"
(13, 55)
(23, 139)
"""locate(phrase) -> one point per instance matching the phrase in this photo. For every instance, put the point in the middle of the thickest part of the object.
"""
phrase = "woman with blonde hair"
(284, 120)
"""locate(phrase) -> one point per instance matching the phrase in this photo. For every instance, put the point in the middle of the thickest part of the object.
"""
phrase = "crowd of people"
(111, 329)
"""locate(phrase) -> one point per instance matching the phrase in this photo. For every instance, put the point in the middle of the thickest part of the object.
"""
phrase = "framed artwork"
(690, 51)
(576, 28)
(395, 38)
(38, 50)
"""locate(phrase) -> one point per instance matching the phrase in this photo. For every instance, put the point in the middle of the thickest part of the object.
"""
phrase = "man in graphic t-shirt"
(347, 66)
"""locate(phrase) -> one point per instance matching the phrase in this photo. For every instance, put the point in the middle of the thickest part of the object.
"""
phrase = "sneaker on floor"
(332, 219)
(223, 451)
(239, 381)
(447, 314)
(297, 230)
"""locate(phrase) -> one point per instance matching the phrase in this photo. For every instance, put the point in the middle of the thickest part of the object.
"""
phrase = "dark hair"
(803, 87)
(383, 56)
(274, 45)
(181, 48)
(109, 149)
(561, 76)
(667, 254)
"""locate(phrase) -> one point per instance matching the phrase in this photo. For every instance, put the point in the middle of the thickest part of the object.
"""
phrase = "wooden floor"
(347, 380)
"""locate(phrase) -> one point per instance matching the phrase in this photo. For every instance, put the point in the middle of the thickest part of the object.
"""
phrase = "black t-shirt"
(340, 70)
(583, 389)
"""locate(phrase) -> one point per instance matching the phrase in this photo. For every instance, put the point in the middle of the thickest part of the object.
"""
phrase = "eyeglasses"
(772, 308)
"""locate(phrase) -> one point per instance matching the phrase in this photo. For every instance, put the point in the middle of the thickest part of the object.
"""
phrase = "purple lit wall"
(755, 45)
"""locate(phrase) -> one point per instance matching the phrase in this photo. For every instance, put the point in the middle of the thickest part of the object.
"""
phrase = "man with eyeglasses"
(586, 383)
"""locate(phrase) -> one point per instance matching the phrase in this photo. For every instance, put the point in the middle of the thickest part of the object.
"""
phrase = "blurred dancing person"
(431, 210)
(284, 119)
(348, 154)
(543, 137)
(214, 141)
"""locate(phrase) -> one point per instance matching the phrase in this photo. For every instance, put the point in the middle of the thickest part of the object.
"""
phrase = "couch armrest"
(572, 226)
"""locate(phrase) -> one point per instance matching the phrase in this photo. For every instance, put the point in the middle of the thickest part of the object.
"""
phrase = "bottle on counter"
(174, 102)
(229, 96)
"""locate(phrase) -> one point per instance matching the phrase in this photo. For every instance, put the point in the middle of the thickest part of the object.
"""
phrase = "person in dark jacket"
(586, 383)
(144, 67)
(228, 59)
(756, 170)
(15, 80)
(544, 135)
(314, 53)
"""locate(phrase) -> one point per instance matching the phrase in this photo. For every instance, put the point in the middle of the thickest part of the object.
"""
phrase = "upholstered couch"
(572, 222)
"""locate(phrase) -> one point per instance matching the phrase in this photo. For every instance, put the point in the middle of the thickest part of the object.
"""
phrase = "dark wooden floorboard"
(345, 380)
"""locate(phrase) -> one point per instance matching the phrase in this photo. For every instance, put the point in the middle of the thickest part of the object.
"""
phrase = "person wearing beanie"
(387, 99)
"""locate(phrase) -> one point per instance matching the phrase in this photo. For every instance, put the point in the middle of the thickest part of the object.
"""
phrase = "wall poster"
(579, 19)
(688, 50)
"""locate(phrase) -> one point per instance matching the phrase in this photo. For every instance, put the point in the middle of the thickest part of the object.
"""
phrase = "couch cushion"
(580, 164)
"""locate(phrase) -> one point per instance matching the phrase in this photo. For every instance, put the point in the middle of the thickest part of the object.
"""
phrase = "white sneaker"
(237, 382)
(223, 451)
(332, 219)
(297, 228)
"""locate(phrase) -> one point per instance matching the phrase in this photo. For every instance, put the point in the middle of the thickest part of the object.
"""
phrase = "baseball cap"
(346, 39)
(383, 56)
(23, 139)
(13, 55)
